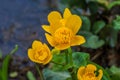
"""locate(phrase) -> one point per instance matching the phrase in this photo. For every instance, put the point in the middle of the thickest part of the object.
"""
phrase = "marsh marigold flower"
(89, 73)
(39, 53)
(61, 33)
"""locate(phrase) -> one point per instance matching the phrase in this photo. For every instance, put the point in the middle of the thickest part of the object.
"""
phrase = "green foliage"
(30, 76)
(52, 75)
(114, 73)
(114, 3)
(0, 54)
(93, 42)
(86, 23)
(59, 60)
(116, 23)
(97, 30)
(5, 64)
(80, 59)
(98, 26)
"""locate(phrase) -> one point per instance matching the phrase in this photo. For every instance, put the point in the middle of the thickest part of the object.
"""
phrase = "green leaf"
(58, 60)
(93, 42)
(5, 64)
(5, 67)
(112, 4)
(105, 73)
(116, 23)
(0, 73)
(115, 73)
(80, 59)
(51, 75)
(66, 67)
(86, 23)
(0, 54)
(112, 38)
(30, 75)
(98, 26)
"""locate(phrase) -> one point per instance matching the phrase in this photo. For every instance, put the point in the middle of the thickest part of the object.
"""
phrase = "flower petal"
(80, 72)
(50, 39)
(36, 44)
(54, 19)
(74, 23)
(91, 67)
(77, 40)
(62, 46)
(48, 59)
(100, 75)
(67, 13)
(30, 55)
(46, 28)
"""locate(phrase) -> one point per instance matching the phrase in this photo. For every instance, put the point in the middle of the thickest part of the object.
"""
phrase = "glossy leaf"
(80, 59)
(51, 75)
(93, 42)
(114, 73)
(116, 23)
(98, 26)
(85, 24)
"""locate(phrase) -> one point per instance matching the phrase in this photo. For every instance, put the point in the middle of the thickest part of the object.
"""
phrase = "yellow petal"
(91, 67)
(50, 39)
(100, 75)
(36, 44)
(54, 19)
(77, 40)
(74, 23)
(46, 28)
(49, 57)
(67, 13)
(80, 73)
(30, 55)
(62, 46)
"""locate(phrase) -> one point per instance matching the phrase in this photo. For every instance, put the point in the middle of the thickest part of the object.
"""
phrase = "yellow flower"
(88, 73)
(62, 30)
(39, 53)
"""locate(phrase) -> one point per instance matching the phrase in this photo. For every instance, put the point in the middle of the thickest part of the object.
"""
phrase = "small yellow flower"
(88, 73)
(39, 53)
(62, 30)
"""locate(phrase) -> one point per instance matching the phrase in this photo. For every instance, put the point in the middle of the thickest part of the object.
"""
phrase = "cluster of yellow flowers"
(61, 34)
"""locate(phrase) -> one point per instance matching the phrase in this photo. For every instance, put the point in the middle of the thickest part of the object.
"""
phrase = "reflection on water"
(20, 23)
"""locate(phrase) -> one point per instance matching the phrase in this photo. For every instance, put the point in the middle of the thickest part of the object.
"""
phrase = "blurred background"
(21, 20)
(20, 23)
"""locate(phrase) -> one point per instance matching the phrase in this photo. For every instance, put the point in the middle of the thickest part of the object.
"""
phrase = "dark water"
(20, 23)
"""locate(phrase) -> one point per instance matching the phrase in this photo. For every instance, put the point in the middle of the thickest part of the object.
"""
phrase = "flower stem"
(70, 53)
(66, 56)
(57, 63)
(39, 71)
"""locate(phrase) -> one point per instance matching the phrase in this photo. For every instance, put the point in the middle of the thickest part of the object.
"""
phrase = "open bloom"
(61, 33)
(39, 53)
(88, 73)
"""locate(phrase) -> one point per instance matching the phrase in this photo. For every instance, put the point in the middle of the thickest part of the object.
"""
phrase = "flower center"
(63, 36)
(89, 76)
(40, 55)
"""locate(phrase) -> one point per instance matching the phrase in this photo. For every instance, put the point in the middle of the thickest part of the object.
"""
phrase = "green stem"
(40, 72)
(70, 53)
(57, 63)
(66, 56)
(14, 50)
(73, 75)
